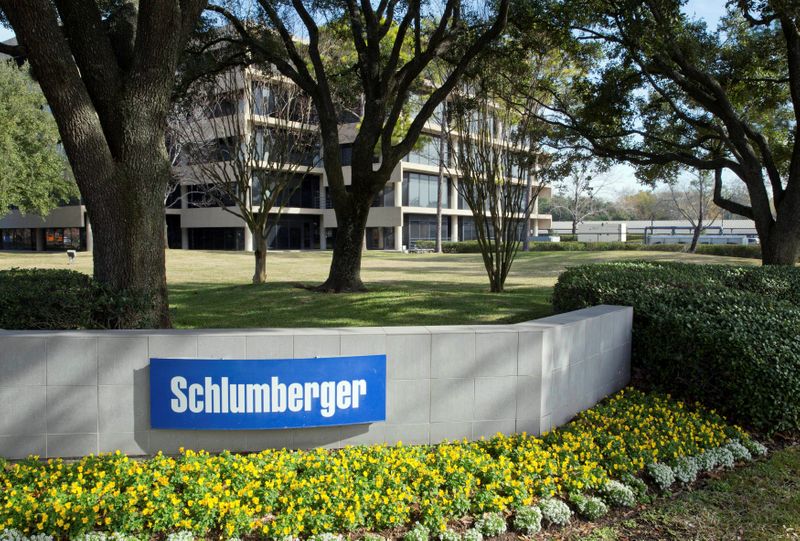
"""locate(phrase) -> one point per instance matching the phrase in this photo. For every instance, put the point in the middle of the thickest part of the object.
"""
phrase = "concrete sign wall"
(72, 393)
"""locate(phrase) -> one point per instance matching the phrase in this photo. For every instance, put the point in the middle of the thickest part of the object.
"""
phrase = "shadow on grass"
(282, 304)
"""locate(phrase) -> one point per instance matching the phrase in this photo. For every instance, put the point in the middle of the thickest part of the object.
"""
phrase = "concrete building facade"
(403, 213)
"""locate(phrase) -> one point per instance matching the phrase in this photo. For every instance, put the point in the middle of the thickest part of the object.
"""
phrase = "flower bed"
(279, 493)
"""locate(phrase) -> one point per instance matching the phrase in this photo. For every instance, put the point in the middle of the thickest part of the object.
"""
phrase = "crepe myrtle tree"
(393, 43)
(693, 198)
(579, 189)
(107, 70)
(498, 165)
(669, 92)
(247, 148)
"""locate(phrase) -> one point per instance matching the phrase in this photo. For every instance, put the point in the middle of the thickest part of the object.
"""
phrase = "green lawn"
(213, 289)
(760, 502)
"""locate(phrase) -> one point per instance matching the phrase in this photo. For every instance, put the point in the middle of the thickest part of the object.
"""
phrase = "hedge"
(53, 299)
(726, 336)
(730, 250)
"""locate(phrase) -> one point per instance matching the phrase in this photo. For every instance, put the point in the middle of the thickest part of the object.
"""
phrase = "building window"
(380, 238)
(420, 190)
(418, 227)
(425, 152)
(385, 197)
(302, 191)
(216, 238)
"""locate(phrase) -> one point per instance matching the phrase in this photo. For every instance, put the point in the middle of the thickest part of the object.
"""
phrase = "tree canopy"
(670, 92)
(34, 176)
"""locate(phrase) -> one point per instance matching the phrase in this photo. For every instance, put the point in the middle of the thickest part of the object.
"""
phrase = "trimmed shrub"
(54, 299)
(472, 535)
(528, 520)
(569, 244)
(417, 533)
(555, 511)
(727, 336)
(662, 475)
(491, 524)
(618, 494)
(589, 507)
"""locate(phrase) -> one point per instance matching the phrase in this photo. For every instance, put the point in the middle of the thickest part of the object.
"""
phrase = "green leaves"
(34, 176)
(726, 336)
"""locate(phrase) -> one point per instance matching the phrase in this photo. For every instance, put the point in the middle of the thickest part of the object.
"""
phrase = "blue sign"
(200, 394)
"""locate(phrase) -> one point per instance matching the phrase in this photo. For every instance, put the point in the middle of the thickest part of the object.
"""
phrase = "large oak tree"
(107, 70)
(671, 93)
(291, 35)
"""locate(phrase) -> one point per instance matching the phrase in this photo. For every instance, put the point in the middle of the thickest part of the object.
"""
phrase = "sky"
(621, 178)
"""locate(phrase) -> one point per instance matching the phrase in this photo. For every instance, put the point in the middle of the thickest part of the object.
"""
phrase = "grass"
(760, 502)
(213, 289)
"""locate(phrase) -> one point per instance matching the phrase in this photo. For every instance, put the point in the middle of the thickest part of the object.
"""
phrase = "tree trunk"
(780, 245)
(574, 226)
(345, 271)
(128, 226)
(440, 187)
(260, 252)
(695, 237)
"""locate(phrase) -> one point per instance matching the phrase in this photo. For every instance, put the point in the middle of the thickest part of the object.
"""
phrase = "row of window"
(55, 239)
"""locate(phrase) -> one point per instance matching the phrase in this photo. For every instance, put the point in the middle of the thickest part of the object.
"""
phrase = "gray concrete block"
(71, 361)
(594, 330)
(71, 445)
(529, 397)
(22, 361)
(220, 347)
(23, 410)
(272, 346)
(373, 435)
(562, 347)
(22, 446)
(408, 356)
(119, 357)
(496, 353)
(532, 427)
(129, 443)
(495, 398)
(452, 354)
(452, 400)
(311, 345)
(170, 441)
(451, 431)
(409, 434)
(533, 345)
(216, 441)
(173, 346)
(258, 440)
(363, 343)
(117, 412)
(326, 436)
(546, 424)
(408, 401)
(489, 429)
(71, 410)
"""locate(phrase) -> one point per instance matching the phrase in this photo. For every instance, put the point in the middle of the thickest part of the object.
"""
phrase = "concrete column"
(248, 239)
(398, 237)
(184, 238)
(398, 193)
(89, 235)
(184, 203)
(454, 228)
(454, 193)
(535, 227)
(40, 243)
